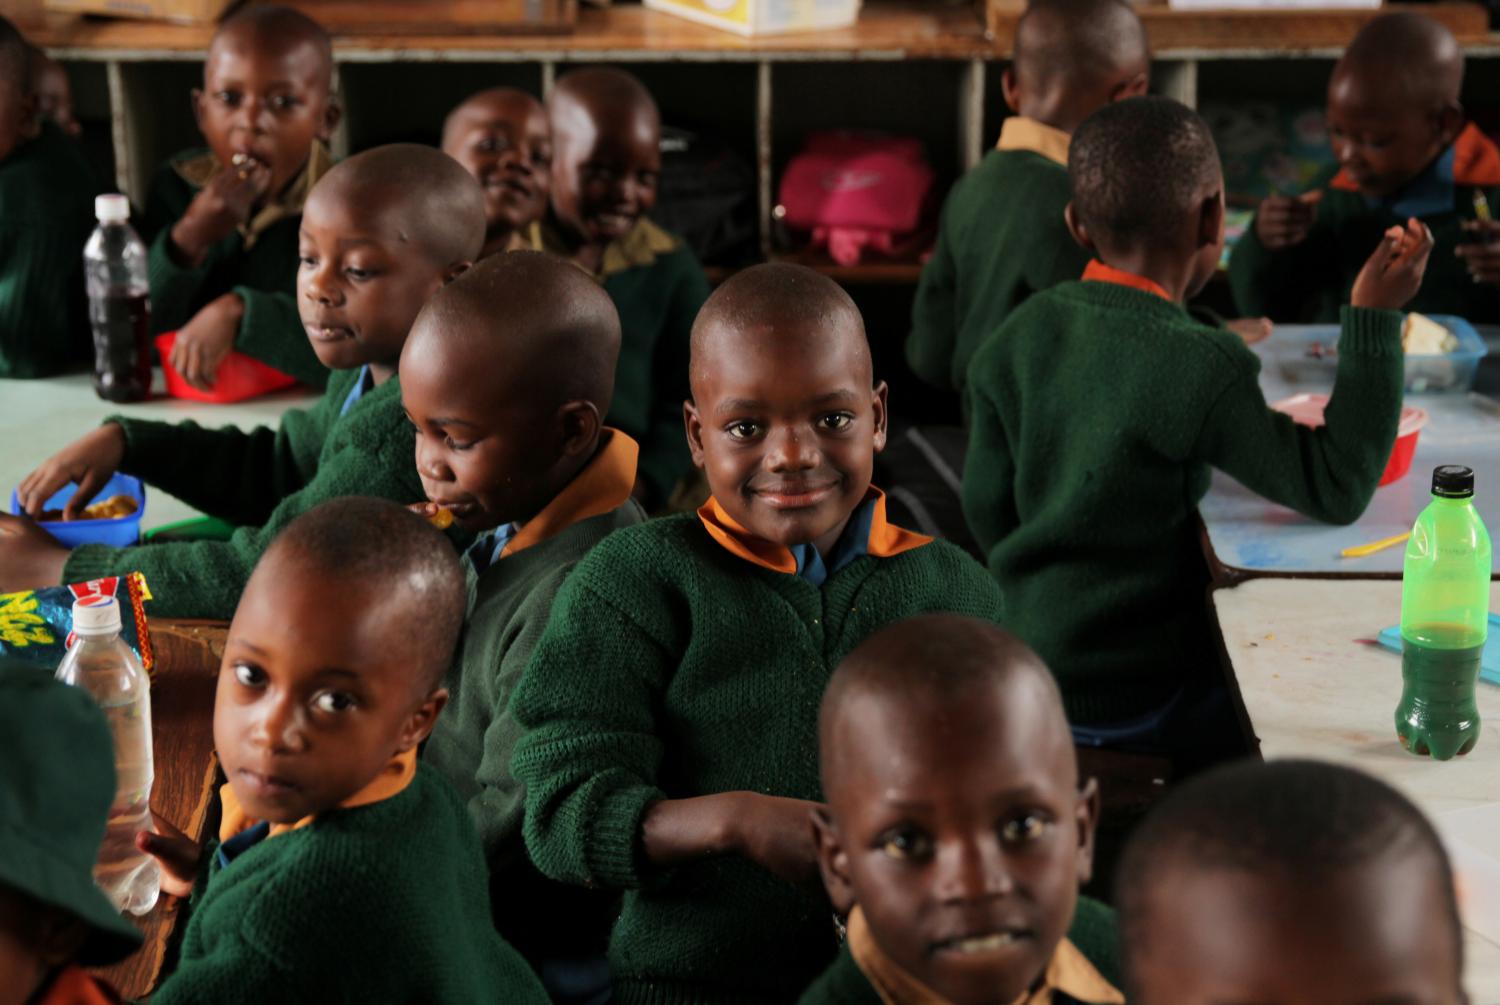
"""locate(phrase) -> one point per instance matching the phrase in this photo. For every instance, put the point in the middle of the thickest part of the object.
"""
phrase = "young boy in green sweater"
(507, 376)
(382, 232)
(606, 133)
(1404, 150)
(670, 707)
(957, 830)
(46, 211)
(344, 870)
(1002, 236)
(1099, 407)
(1288, 883)
(222, 222)
(503, 138)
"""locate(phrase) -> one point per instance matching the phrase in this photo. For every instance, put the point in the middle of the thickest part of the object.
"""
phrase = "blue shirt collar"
(1428, 194)
(242, 842)
(853, 543)
(363, 384)
(486, 549)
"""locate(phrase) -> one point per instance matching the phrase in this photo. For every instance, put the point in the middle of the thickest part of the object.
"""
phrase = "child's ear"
(1010, 87)
(1086, 815)
(333, 114)
(454, 270)
(31, 117)
(1078, 230)
(1132, 88)
(694, 427)
(878, 408)
(1211, 220)
(419, 724)
(833, 862)
(579, 424)
(197, 99)
(1450, 122)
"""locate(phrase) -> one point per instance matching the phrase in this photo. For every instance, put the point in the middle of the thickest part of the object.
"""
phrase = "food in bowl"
(1422, 336)
(110, 509)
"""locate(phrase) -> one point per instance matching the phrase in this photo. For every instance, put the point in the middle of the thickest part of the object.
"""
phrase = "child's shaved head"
(955, 820)
(274, 29)
(436, 206)
(584, 99)
(1072, 56)
(1288, 882)
(1409, 58)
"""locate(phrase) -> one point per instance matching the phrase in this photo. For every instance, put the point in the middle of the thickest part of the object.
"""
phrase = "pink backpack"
(858, 191)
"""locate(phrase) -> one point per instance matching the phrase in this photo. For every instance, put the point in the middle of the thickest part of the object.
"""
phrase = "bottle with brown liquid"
(114, 264)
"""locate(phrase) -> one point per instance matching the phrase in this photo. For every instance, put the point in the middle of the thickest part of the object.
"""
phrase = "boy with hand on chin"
(670, 706)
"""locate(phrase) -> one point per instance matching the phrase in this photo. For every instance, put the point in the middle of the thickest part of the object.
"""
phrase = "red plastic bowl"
(1307, 409)
(240, 377)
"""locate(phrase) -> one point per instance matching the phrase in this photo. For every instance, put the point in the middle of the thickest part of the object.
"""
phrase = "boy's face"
(786, 428)
(1380, 137)
(604, 179)
(1374, 934)
(317, 691)
(359, 285)
(266, 103)
(54, 95)
(958, 828)
(484, 446)
(504, 141)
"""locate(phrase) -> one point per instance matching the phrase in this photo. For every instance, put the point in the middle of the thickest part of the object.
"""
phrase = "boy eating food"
(670, 706)
(957, 832)
(382, 232)
(344, 870)
(606, 133)
(502, 137)
(222, 222)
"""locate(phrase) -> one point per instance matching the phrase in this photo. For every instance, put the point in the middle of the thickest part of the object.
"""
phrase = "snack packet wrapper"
(36, 625)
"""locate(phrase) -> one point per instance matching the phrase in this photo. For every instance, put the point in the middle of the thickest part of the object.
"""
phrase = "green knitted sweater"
(1002, 238)
(1309, 281)
(671, 668)
(472, 742)
(379, 903)
(265, 277)
(260, 480)
(1097, 412)
(46, 212)
(1093, 932)
(657, 305)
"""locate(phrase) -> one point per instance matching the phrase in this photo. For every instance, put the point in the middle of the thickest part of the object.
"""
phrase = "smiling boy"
(1404, 150)
(222, 222)
(382, 232)
(503, 138)
(957, 831)
(607, 135)
(344, 870)
(671, 704)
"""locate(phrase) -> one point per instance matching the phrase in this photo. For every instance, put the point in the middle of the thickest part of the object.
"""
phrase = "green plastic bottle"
(1445, 616)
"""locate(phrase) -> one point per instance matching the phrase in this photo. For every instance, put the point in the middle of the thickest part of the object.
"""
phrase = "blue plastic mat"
(1489, 665)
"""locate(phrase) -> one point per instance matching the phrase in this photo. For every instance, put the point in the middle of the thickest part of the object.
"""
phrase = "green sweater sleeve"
(271, 331)
(589, 756)
(664, 453)
(173, 286)
(989, 476)
(934, 315)
(1328, 473)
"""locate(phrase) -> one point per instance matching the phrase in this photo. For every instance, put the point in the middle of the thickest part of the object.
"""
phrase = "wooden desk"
(182, 705)
(1315, 685)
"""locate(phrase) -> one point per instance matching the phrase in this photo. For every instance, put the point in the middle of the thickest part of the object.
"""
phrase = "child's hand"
(1284, 221)
(29, 556)
(777, 834)
(1394, 271)
(1482, 255)
(203, 343)
(219, 207)
(176, 853)
(1250, 330)
(89, 461)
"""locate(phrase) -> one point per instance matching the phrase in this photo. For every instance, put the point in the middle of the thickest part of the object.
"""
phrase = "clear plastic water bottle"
(114, 265)
(103, 665)
(1445, 610)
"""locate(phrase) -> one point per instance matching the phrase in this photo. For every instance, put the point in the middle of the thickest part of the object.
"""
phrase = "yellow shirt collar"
(392, 780)
(604, 484)
(1069, 972)
(199, 171)
(1020, 133)
(640, 246)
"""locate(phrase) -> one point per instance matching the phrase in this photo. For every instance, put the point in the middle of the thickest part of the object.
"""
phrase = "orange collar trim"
(392, 780)
(1476, 161)
(1098, 272)
(886, 539)
(604, 484)
(75, 986)
(1020, 133)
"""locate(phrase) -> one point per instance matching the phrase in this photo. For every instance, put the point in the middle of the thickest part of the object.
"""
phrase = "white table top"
(40, 417)
(1315, 685)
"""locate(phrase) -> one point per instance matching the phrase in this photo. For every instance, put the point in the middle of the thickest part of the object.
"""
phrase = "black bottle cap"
(1453, 481)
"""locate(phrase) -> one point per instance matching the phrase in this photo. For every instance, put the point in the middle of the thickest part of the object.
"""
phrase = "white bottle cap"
(112, 208)
(96, 616)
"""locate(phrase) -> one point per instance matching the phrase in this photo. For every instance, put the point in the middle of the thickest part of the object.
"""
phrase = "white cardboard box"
(763, 17)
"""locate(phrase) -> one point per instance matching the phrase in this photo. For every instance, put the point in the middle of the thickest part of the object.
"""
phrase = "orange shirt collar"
(1068, 972)
(1020, 133)
(604, 484)
(1476, 161)
(75, 986)
(393, 779)
(886, 539)
(1098, 272)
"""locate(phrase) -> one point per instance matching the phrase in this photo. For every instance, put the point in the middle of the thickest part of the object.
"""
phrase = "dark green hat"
(57, 781)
